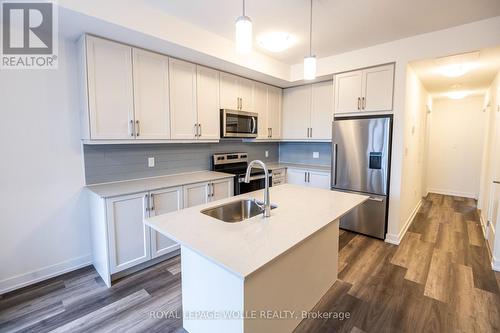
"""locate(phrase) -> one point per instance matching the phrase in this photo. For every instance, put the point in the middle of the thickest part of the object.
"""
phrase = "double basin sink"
(236, 211)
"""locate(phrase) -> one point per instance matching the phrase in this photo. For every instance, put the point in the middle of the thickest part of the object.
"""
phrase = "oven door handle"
(242, 179)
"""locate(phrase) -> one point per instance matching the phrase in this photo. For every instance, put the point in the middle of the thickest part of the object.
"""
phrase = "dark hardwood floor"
(438, 280)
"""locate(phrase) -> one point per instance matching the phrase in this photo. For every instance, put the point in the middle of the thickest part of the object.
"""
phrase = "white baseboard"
(495, 264)
(44, 273)
(453, 193)
(396, 239)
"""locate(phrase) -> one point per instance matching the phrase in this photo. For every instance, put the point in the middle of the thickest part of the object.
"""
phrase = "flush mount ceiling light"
(310, 60)
(243, 33)
(456, 70)
(457, 94)
(276, 41)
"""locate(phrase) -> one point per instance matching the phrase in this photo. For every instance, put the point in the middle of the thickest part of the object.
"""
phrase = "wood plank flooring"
(438, 280)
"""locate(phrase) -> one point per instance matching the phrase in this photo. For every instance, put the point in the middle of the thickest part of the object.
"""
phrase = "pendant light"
(243, 33)
(310, 61)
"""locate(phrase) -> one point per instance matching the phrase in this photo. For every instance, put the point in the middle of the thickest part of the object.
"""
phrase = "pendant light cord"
(310, 29)
(243, 7)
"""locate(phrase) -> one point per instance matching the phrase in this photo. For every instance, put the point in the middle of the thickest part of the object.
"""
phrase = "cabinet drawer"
(279, 173)
(279, 181)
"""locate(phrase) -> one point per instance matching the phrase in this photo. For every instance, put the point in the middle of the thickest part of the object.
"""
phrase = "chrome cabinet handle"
(131, 128)
(363, 103)
(311, 132)
(199, 127)
(146, 200)
(305, 177)
(496, 182)
(271, 132)
(138, 128)
(196, 130)
(213, 190)
(209, 190)
(152, 202)
(359, 103)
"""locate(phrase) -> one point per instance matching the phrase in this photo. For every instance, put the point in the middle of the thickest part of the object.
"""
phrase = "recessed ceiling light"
(276, 41)
(458, 94)
(456, 70)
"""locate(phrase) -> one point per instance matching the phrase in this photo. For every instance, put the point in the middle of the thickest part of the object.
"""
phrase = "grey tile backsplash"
(302, 152)
(106, 163)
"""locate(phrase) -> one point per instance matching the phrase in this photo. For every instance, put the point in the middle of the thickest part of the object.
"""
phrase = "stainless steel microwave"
(238, 124)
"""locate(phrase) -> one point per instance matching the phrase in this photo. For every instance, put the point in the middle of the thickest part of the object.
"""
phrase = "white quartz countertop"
(281, 165)
(246, 246)
(154, 183)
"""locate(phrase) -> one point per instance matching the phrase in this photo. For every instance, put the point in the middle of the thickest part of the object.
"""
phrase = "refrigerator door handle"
(334, 164)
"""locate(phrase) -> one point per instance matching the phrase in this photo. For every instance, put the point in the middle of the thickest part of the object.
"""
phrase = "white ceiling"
(339, 25)
(476, 80)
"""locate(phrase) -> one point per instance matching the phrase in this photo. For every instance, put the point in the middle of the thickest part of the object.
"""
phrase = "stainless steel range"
(237, 163)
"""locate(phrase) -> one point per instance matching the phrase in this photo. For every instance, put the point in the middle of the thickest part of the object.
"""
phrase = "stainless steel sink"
(236, 211)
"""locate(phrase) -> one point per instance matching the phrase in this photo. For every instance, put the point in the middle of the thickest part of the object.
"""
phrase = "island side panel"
(295, 281)
(209, 289)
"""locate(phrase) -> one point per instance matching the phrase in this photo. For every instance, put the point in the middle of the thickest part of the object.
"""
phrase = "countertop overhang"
(246, 246)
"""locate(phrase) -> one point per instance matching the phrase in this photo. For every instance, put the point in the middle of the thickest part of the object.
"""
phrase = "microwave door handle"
(254, 125)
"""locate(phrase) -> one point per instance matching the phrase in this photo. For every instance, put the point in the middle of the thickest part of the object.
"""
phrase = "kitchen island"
(258, 275)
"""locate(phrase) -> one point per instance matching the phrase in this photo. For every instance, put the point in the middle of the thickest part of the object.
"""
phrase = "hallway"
(438, 280)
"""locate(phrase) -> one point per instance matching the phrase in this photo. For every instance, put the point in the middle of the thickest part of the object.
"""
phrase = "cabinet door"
(378, 85)
(182, 99)
(207, 88)
(246, 94)
(296, 176)
(195, 194)
(221, 189)
(162, 202)
(229, 91)
(129, 238)
(274, 111)
(110, 89)
(322, 110)
(152, 110)
(348, 92)
(296, 112)
(319, 179)
(261, 107)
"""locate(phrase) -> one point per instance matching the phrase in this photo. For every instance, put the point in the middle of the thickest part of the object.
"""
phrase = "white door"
(162, 202)
(322, 110)
(246, 94)
(152, 110)
(110, 89)
(207, 87)
(261, 107)
(195, 194)
(183, 114)
(348, 92)
(221, 189)
(274, 111)
(319, 179)
(378, 85)
(296, 176)
(296, 112)
(229, 91)
(129, 238)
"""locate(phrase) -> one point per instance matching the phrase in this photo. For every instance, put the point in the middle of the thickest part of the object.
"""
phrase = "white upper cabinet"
(296, 112)
(183, 113)
(110, 91)
(151, 104)
(308, 112)
(274, 111)
(260, 103)
(207, 89)
(378, 85)
(365, 90)
(236, 93)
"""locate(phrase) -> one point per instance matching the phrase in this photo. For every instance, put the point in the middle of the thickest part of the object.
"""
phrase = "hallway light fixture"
(456, 70)
(459, 94)
(310, 60)
(243, 33)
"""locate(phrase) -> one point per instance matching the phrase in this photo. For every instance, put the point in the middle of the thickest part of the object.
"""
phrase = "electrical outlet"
(151, 162)
(316, 154)
(267, 153)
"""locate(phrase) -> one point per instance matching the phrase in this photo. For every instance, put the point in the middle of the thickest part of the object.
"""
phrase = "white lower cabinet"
(305, 177)
(162, 202)
(128, 236)
(121, 240)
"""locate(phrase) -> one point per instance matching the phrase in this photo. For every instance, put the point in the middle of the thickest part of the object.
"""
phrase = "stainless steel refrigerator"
(361, 150)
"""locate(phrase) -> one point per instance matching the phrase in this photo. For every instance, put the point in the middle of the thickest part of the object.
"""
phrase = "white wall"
(456, 146)
(44, 218)
(414, 151)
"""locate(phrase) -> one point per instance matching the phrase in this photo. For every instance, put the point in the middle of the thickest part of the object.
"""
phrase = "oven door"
(256, 183)
(238, 124)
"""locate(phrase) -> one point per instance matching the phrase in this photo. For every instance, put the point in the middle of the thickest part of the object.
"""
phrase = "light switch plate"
(267, 153)
(151, 162)
(316, 154)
